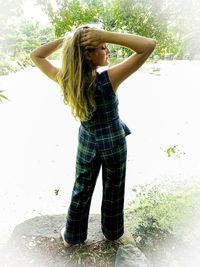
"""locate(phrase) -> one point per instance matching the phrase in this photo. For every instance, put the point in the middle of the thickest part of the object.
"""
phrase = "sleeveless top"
(105, 129)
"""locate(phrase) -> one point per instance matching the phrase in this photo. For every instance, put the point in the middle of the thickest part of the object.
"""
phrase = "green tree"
(18, 40)
(183, 22)
(145, 17)
(68, 14)
(10, 10)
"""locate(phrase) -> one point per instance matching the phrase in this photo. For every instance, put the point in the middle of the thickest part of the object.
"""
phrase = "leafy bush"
(160, 213)
(18, 40)
(23, 59)
(6, 65)
(12, 64)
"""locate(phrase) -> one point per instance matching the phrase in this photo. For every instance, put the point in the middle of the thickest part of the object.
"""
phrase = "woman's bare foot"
(67, 245)
(105, 238)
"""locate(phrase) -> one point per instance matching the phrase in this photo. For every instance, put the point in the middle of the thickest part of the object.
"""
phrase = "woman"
(102, 135)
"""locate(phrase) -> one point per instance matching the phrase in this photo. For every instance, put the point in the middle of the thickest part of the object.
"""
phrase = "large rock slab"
(49, 226)
(37, 242)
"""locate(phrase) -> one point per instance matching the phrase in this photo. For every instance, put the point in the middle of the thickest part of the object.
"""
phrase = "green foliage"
(172, 24)
(170, 151)
(118, 15)
(162, 20)
(174, 151)
(101, 253)
(143, 18)
(149, 234)
(160, 217)
(56, 191)
(18, 39)
(69, 14)
(161, 211)
(2, 96)
(6, 65)
(26, 36)
(183, 23)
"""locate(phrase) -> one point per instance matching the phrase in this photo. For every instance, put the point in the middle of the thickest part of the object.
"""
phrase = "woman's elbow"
(151, 45)
(32, 56)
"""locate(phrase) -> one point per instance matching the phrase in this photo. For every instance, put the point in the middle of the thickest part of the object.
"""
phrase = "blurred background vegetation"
(172, 23)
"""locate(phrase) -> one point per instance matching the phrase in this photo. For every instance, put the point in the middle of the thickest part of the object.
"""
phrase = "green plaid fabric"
(105, 129)
(113, 163)
(102, 143)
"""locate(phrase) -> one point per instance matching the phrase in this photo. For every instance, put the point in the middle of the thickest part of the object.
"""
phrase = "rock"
(49, 226)
(130, 256)
(37, 242)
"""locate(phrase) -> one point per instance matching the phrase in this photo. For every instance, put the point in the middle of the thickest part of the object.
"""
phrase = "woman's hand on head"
(91, 37)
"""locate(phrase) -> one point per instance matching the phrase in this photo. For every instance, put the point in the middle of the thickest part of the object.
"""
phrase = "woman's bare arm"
(142, 46)
(39, 57)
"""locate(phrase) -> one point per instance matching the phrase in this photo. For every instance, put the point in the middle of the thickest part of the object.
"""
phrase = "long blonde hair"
(77, 77)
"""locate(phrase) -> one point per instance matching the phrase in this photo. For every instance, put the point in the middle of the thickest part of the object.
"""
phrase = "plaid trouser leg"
(78, 212)
(114, 171)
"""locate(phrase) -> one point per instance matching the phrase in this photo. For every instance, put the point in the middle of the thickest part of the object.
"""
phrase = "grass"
(101, 255)
(161, 214)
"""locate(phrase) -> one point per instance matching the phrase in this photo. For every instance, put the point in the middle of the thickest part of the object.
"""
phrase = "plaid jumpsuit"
(101, 143)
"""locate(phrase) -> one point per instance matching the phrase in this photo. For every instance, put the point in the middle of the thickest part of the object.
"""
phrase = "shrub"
(161, 212)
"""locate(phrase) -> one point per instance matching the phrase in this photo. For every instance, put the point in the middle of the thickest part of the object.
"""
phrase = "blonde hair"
(77, 77)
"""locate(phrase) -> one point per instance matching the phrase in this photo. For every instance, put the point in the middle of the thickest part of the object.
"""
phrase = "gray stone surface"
(49, 226)
(37, 242)
(130, 256)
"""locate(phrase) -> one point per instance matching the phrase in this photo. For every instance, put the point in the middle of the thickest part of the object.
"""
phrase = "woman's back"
(105, 128)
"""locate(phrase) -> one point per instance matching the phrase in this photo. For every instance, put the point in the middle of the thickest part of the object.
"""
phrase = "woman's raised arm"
(142, 46)
(40, 54)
